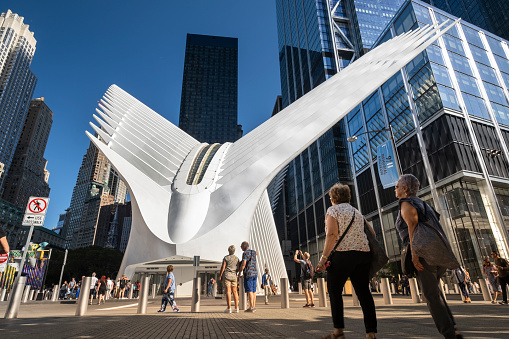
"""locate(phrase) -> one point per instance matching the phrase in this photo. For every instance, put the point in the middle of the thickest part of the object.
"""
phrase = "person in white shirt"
(109, 287)
(93, 287)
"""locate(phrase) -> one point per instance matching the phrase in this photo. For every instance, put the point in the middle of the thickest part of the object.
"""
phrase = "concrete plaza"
(118, 319)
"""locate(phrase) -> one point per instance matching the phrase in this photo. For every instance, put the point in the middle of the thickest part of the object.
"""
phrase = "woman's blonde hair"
(306, 255)
(340, 194)
(231, 249)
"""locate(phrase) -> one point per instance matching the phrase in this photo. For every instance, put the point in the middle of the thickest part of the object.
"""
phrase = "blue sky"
(83, 47)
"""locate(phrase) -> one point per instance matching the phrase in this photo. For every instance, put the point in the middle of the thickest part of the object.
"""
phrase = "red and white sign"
(3, 261)
(37, 205)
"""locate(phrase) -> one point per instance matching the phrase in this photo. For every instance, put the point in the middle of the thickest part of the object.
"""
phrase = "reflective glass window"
(467, 84)
(402, 124)
(371, 105)
(496, 46)
(479, 55)
(448, 96)
(428, 103)
(501, 113)
(416, 64)
(487, 73)
(453, 30)
(475, 106)
(405, 21)
(375, 124)
(441, 74)
(435, 54)
(460, 64)
(422, 81)
(452, 44)
(502, 63)
(392, 85)
(505, 76)
(422, 14)
(495, 93)
(472, 36)
(355, 124)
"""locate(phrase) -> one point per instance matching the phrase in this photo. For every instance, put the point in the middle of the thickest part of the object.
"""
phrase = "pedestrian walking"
(137, 290)
(405, 285)
(210, 287)
(123, 284)
(228, 276)
(101, 290)
(412, 209)
(266, 285)
(169, 291)
(503, 275)
(352, 258)
(248, 269)
(93, 287)
(63, 290)
(491, 275)
(306, 276)
(109, 287)
(461, 277)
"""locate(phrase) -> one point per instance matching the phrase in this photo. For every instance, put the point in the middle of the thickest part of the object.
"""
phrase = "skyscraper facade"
(208, 108)
(97, 185)
(489, 15)
(17, 83)
(316, 40)
(28, 175)
(449, 109)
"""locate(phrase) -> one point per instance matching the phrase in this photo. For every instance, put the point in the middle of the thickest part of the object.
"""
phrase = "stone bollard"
(15, 298)
(393, 288)
(142, 301)
(285, 298)
(214, 290)
(3, 291)
(386, 291)
(456, 289)
(414, 290)
(31, 295)
(131, 291)
(26, 294)
(355, 299)
(242, 295)
(154, 286)
(300, 288)
(195, 300)
(84, 297)
(447, 289)
(322, 295)
(54, 295)
(484, 288)
(442, 289)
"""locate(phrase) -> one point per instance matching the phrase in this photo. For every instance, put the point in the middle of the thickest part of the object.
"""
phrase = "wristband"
(324, 257)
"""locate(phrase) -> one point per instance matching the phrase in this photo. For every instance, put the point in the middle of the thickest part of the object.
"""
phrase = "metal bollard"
(414, 290)
(285, 298)
(355, 299)
(26, 293)
(195, 300)
(54, 295)
(31, 295)
(153, 291)
(15, 299)
(300, 288)
(131, 290)
(484, 288)
(83, 298)
(322, 295)
(242, 295)
(2, 294)
(386, 291)
(442, 289)
(142, 301)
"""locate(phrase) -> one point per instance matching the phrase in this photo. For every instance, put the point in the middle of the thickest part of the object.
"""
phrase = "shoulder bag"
(378, 256)
(328, 265)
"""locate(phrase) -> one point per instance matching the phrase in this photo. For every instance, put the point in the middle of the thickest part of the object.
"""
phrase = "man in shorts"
(248, 269)
(306, 276)
(93, 287)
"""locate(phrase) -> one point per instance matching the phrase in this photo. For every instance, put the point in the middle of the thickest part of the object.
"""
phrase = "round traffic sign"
(37, 205)
(3, 258)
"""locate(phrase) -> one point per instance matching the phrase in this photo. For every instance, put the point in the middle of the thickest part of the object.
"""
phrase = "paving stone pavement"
(118, 319)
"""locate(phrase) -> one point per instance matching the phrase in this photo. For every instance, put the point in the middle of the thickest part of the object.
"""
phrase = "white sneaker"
(236, 310)
(228, 310)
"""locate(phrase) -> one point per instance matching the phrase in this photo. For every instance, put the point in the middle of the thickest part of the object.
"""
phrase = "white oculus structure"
(191, 198)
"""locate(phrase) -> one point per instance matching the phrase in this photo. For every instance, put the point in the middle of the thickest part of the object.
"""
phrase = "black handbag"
(378, 256)
(328, 265)
(407, 266)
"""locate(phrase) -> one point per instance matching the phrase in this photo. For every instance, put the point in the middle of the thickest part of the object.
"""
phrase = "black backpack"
(309, 272)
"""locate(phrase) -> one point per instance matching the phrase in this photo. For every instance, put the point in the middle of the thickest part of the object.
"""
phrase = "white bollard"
(131, 290)
(242, 295)
(300, 288)
(414, 290)
(285, 298)
(355, 299)
(31, 295)
(322, 295)
(456, 289)
(386, 291)
(442, 289)
(484, 288)
(393, 288)
(154, 290)
(54, 295)
(3, 291)
(142, 301)
(195, 300)
(15, 299)
(26, 294)
(84, 297)
(447, 289)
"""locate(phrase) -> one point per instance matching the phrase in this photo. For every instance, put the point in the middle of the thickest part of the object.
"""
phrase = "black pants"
(503, 283)
(440, 312)
(353, 264)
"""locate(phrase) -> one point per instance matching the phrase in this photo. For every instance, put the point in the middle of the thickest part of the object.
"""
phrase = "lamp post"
(354, 138)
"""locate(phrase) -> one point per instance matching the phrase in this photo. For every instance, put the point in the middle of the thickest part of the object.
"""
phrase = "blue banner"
(387, 167)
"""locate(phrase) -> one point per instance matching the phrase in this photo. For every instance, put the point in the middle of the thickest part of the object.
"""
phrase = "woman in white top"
(352, 259)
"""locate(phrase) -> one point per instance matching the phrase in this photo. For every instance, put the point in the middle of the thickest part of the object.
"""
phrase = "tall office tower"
(487, 14)
(316, 39)
(449, 109)
(28, 175)
(17, 83)
(208, 107)
(97, 185)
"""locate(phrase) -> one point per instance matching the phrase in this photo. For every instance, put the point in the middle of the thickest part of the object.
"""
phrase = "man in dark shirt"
(503, 274)
(4, 245)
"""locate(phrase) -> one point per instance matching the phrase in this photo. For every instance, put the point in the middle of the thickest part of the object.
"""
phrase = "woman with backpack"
(306, 276)
(347, 254)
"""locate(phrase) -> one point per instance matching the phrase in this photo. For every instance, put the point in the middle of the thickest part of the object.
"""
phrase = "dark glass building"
(491, 15)
(208, 108)
(316, 40)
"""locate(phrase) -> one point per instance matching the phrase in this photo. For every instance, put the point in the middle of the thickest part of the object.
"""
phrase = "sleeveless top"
(424, 212)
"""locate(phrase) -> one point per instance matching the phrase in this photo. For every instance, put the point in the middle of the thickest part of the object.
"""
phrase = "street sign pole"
(62, 271)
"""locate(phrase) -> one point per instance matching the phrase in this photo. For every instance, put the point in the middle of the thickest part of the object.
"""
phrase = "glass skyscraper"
(208, 108)
(316, 40)
(487, 14)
